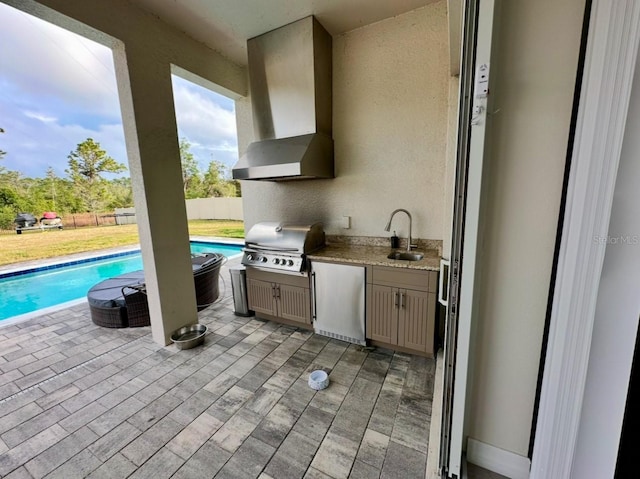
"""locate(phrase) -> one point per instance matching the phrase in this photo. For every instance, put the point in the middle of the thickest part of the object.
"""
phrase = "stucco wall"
(390, 92)
(535, 63)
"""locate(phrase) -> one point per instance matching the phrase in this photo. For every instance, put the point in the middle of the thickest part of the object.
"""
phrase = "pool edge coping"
(106, 252)
(12, 320)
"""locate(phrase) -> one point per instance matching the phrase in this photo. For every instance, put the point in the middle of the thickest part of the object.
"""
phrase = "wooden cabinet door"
(416, 320)
(260, 296)
(382, 317)
(294, 303)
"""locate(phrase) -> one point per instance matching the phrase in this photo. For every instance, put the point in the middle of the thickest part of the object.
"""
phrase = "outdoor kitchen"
(357, 293)
(327, 166)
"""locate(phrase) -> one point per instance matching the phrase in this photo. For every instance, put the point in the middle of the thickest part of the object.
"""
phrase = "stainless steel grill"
(282, 247)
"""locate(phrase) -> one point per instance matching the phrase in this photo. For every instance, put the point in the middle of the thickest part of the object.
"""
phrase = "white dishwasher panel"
(338, 301)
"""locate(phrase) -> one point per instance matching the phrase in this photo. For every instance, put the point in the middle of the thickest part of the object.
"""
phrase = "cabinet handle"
(442, 278)
(314, 313)
(273, 291)
(278, 292)
(395, 298)
(402, 300)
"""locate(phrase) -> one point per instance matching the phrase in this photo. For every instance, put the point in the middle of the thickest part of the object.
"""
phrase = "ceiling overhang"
(226, 25)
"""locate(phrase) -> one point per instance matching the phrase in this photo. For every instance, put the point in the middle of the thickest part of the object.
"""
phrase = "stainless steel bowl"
(189, 336)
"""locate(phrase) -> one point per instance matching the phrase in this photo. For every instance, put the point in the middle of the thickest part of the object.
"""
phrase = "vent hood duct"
(290, 82)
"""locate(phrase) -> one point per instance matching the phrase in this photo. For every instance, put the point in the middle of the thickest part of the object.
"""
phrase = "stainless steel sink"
(405, 255)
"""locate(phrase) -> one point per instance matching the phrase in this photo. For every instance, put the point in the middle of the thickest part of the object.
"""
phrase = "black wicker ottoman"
(121, 302)
(106, 302)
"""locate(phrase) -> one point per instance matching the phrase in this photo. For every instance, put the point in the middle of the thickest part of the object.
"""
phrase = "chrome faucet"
(388, 227)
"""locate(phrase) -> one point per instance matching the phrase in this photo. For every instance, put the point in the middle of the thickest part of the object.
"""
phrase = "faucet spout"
(388, 227)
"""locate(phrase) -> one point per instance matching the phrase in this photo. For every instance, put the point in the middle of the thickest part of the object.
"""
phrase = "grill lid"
(283, 237)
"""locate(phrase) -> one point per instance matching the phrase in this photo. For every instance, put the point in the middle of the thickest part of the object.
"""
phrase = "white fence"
(197, 209)
(215, 209)
(125, 216)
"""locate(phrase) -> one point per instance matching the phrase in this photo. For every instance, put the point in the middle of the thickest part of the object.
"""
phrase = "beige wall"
(390, 92)
(535, 64)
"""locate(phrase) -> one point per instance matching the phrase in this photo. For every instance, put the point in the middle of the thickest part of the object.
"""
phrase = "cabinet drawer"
(405, 278)
(280, 278)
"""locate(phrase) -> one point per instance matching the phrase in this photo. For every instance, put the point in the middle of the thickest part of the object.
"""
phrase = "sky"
(57, 89)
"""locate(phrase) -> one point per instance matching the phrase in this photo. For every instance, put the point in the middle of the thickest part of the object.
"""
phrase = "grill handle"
(255, 248)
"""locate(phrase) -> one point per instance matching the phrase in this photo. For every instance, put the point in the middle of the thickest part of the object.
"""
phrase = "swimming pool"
(26, 291)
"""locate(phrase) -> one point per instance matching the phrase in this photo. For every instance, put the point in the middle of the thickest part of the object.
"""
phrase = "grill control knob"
(276, 261)
(249, 257)
(263, 259)
(290, 262)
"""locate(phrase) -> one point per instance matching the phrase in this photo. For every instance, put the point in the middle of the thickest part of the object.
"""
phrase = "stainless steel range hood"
(290, 78)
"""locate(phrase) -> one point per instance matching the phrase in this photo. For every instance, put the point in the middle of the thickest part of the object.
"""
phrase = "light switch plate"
(346, 222)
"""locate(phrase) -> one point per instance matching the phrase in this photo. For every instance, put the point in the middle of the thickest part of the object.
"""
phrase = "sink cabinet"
(279, 297)
(401, 308)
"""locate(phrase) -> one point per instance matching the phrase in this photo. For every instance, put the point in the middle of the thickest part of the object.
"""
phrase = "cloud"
(33, 145)
(39, 116)
(207, 120)
(58, 89)
(48, 61)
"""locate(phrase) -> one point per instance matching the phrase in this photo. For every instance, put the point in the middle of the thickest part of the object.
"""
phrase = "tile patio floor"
(77, 400)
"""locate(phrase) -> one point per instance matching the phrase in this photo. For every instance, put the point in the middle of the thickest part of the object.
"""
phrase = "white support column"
(148, 115)
(612, 47)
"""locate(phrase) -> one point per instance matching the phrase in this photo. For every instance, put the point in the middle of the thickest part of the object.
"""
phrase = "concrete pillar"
(148, 115)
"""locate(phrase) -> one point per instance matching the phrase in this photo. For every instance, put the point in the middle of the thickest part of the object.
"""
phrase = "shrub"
(7, 215)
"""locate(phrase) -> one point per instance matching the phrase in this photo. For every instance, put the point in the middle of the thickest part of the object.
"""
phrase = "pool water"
(26, 293)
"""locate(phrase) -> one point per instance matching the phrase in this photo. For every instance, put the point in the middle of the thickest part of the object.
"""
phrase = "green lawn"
(50, 243)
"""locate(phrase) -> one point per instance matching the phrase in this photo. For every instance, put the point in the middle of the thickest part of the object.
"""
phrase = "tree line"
(85, 188)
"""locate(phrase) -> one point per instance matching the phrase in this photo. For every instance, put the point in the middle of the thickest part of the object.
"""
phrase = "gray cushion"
(108, 293)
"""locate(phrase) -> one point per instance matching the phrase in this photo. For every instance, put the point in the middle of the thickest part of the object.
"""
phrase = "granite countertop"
(376, 255)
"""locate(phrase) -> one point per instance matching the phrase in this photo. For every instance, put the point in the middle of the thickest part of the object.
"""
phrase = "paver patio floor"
(78, 400)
